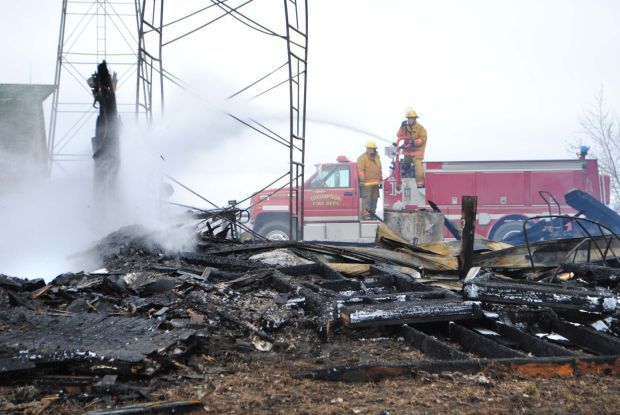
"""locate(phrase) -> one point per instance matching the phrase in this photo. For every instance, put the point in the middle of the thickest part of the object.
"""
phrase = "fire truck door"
(330, 195)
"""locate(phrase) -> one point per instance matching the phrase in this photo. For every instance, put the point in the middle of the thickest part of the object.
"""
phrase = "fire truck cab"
(331, 207)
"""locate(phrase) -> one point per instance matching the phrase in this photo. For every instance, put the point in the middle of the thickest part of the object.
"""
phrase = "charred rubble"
(547, 308)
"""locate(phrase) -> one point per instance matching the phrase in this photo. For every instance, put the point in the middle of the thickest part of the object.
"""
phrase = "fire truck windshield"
(331, 176)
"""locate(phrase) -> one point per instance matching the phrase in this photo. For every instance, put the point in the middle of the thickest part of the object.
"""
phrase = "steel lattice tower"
(89, 30)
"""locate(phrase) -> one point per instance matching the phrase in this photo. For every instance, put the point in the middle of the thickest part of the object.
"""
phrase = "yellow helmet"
(410, 113)
(371, 144)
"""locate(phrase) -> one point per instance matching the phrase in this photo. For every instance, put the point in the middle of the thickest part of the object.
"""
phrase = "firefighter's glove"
(380, 185)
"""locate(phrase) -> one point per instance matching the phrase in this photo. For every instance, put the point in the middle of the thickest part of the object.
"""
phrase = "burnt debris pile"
(150, 315)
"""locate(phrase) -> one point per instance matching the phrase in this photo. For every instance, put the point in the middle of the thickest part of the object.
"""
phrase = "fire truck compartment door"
(329, 195)
(314, 231)
(340, 231)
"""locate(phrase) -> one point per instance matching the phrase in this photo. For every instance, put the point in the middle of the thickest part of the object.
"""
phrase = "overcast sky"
(490, 79)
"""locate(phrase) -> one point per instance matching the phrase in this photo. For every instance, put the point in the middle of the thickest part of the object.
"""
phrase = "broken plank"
(539, 294)
(538, 366)
(87, 342)
(402, 312)
(431, 345)
(156, 408)
(479, 344)
(586, 338)
(594, 273)
(532, 344)
(321, 303)
(220, 262)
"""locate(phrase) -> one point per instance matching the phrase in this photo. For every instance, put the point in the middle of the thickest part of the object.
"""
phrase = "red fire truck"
(508, 193)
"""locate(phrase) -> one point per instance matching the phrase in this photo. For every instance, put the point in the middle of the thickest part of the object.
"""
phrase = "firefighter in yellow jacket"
(371, 178)
(412, 142)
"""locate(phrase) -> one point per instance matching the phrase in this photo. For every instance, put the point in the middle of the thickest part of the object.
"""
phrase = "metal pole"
(54, 114)
(292, 181)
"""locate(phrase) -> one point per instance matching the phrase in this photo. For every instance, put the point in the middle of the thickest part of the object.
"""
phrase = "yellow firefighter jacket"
(412, 140)
(369, 170)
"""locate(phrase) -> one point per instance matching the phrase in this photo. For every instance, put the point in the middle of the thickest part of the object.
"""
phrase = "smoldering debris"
(150, 316)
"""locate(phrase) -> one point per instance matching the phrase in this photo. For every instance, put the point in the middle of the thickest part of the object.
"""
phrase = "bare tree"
(602, 128)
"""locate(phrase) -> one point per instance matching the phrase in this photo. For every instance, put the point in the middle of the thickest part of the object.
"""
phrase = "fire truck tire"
(275, 231)
(507, 229)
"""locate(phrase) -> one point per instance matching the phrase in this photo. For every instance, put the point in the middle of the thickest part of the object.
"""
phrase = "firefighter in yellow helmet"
(412, 142)
(370, 177)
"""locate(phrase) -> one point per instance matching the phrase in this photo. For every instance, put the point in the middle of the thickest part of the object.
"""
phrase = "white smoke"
(46, 222)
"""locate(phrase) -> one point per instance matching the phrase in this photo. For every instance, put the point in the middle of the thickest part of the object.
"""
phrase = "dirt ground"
(239, 380)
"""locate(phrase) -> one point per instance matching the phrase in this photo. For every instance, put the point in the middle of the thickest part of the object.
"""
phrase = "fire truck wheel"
(275, 231)
(507, 230)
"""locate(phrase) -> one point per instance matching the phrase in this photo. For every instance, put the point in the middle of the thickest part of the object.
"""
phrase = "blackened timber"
(586, 338)
(246, 325)
(402, 281)
(398, 296)
(402, 312)
(320, 303)
(10, 283)
(594, 273)
(479, 344)
(15, 367)
(469, 205)
(258, 247)
(156, 408)
(84, 342)
(538, 366)
(539, 294)
(217, 261)
(316, 268)
(532, 344)
(342, 285)
(431, 345)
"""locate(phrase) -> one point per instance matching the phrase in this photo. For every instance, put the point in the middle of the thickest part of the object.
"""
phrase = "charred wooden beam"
(342, 285)
(316, 268)
(403, 312)
(539, 294)
(431, 345)
(88, 343)
(532, 344)
(156, 408)
(469, 205)
(13, 367)
(587, 338)
(479, 344)
(220, 262)
(401, 281)
(106, 142)
(246, 325)
(433, 294)
(319, 303)
(594, 273)
(541, 367)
